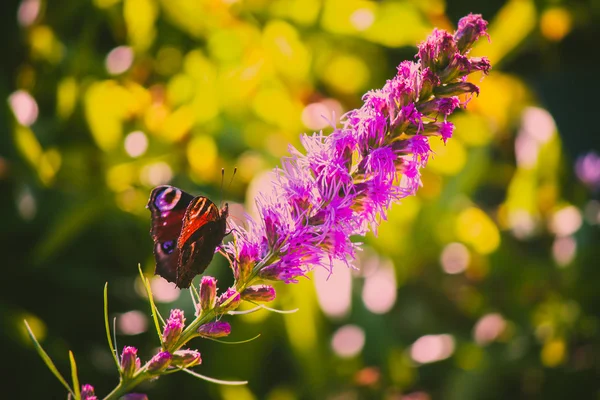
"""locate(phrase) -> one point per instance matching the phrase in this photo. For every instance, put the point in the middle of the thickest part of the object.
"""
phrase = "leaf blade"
(74, 376)
(214, 380)
(47, 360)
(107, 327)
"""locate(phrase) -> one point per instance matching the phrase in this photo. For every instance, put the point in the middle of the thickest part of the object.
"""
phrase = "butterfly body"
(186, 231)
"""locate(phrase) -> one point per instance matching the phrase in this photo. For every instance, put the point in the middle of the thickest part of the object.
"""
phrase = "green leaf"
(153, 308)
(47, 359)
(107, 326)
(74, 376)
(213, 380)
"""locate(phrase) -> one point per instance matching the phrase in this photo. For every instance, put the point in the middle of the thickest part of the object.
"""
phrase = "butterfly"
(186, 231)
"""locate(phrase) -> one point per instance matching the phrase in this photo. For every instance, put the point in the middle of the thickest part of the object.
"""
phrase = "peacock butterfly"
(186, 231)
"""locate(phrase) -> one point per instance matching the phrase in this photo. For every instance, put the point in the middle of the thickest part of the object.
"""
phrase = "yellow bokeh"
(447, 159)
(206, 102)
(301, 327)
(510, 27)
(140, 16)
(120, 177)
(180, 89)
(107, 104)
(553, 352)
(475, 228)
(202, 154)
(284, 47)
(28, 145)
(397, 24)
(472, 129)
(555, 23)
(48, 166)
(37, 326)
(501, 97)
(178, 124)
(303, 12)
(66, 97)
(274, 104)
(45, 45)
(346, 73)
(236, 393)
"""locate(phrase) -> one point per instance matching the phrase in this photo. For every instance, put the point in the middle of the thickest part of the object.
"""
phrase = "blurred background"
(483, 286)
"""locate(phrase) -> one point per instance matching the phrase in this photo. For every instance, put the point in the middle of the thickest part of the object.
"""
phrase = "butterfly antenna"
(232, 176)
(222, 180)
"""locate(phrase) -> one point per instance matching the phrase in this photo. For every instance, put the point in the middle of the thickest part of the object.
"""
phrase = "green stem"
(125, 387)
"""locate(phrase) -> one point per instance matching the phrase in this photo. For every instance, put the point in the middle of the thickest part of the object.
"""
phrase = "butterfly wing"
(168, 205)
(202, 231)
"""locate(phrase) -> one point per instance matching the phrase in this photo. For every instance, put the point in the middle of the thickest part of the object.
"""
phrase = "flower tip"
(215, 329)
(186, 358)
(470, 29)
(159, 362)
(208, 293)
(130, 362)
(87, 392)
(228, 301)
(259, 293)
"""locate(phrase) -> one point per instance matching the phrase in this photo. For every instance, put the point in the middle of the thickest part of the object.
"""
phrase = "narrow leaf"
(250, 311)
(47, 359)
(74, 376)
(227, 342)
(279, 311)
(213, 380)
(153, 308)
(107, 326)
(195, 294)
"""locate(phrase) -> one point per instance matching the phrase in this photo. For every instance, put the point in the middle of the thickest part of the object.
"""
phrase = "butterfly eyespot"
(167, 247)
(167, 198)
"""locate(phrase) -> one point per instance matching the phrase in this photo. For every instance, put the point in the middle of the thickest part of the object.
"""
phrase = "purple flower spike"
(173, 328)
(343, 185)
(87, 392)
(159, 362)
(130, 362)
(259, 293)
(215, 329)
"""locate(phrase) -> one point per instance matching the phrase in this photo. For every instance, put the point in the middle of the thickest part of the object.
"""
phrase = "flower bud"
(173, 328)
(87, 392)
(470, 28)
(159, 362)
(130, 362)
(215, 329)
(208, 292)
(186, 358)
(455, 89)
(259, 293)
(230, 300)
